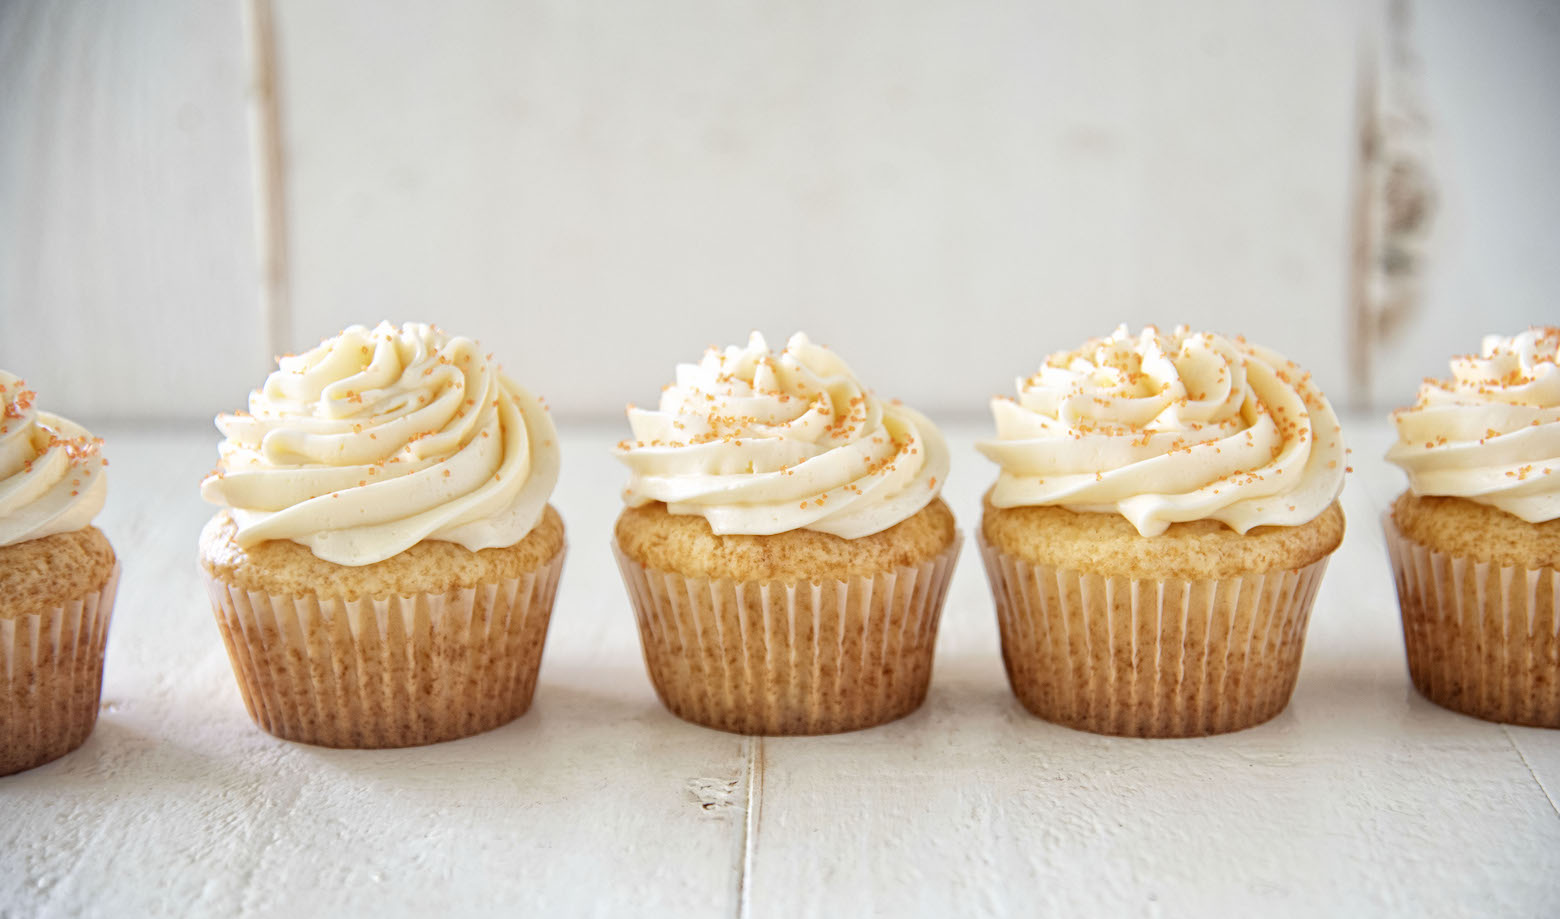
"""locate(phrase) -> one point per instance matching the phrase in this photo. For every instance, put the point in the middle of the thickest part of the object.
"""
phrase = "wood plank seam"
(1359, 302)
(1529, 766)
(1394, 196)
(752, 814)
(270, 175)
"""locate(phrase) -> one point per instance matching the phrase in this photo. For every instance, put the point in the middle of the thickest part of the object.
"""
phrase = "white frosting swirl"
(377, 440)
(762, 443)
(52, 477)
(1169, 428)
(1491, 433)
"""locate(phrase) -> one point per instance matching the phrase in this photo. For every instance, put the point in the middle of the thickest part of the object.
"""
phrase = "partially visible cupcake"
(1475, 540)
(384, 566)
(784, 544)
(1166, 506)
(57, 579)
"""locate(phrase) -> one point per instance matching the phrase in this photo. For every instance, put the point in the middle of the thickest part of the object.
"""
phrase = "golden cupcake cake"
(385, 561)
(57, 579)
(1475, 540)
(1165, 508)
(783, 543)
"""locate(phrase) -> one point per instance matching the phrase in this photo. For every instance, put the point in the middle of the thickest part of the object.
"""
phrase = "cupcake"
(1164, 511)
(783, 544)
(384, 564)
(57, 580)
(1475, 540)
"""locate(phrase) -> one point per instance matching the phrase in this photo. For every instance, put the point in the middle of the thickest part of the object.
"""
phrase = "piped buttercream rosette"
(379, 439)
(1164, 428)
(52, 472)
(758, 442)
(1491, 432)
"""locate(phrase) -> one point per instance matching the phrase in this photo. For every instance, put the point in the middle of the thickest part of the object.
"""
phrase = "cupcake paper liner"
(1481, 639)
(51, 677)
(783, 657)
(388, 672)
(1147, 657)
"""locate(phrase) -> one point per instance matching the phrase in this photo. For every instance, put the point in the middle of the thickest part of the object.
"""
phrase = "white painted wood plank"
(1360, 799)
(127, 266)
(597, 191)
(596, 802)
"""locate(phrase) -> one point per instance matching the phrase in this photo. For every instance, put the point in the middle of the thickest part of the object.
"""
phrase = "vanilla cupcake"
(1154, 541)
(783, 544)
(57, 580)
(1475, 540)
(384, 566)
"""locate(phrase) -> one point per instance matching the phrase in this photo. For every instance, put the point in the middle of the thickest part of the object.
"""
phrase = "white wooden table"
(1361, 799)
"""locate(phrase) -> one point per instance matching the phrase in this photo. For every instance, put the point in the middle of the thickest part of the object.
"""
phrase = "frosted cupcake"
(1475, 540)
(384, 566)
(784, 544)
(1154, 541)
(57, 579)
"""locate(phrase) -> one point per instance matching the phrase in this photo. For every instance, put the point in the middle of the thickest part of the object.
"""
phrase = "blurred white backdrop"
(942, 192)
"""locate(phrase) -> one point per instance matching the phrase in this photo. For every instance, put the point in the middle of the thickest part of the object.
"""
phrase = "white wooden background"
(942, 191)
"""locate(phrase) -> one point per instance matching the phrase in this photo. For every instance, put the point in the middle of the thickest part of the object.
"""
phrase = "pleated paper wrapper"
(1147, 657)
(1482, 639)
(51, 678)
(790, 658)
(387, 672)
